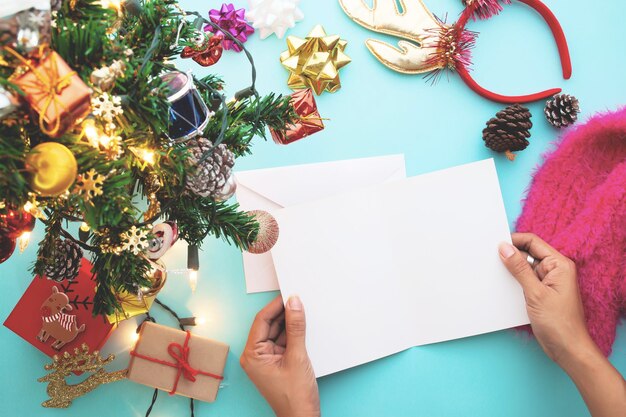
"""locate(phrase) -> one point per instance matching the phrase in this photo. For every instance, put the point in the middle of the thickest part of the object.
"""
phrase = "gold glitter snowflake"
(107, 107)
(89, 184)
(135, 240)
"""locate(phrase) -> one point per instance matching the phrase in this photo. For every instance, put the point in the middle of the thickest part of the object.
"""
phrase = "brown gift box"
(162, 370)
(56, 92)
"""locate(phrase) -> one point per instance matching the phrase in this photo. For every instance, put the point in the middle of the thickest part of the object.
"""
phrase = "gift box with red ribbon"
(178, 362)
(53, 90)
(303, 102)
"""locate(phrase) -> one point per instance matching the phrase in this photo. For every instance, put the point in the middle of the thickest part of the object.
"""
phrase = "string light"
(111, 4)
(193, 280)
(24, 240)
(193, 265)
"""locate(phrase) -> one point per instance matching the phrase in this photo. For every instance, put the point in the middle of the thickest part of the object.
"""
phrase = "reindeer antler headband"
(435, 46)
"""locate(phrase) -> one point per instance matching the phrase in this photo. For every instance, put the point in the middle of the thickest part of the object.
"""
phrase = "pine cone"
(208, 178)
(67, 261)
(562, 110)
(509, 130)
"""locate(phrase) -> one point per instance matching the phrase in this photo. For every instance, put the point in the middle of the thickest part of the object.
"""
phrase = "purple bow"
(231, 21)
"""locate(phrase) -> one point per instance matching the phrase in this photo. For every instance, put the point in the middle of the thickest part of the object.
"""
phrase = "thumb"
(519, 267)
(295, 326)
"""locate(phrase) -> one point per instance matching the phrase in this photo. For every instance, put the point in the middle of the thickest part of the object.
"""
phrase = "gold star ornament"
(314, 62)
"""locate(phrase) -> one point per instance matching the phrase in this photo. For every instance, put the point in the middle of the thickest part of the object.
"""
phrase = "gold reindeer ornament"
(61, 393)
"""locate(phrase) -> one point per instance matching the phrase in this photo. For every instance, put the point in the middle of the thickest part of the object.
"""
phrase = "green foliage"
(89, 37)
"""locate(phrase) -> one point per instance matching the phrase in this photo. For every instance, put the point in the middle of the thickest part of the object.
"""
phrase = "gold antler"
(415, 23)
(61, 394)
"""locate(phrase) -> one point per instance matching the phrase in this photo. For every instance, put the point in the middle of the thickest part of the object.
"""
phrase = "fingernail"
(506, 250)
(294, 303)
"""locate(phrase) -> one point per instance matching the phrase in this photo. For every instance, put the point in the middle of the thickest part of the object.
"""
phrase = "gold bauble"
(53, 168)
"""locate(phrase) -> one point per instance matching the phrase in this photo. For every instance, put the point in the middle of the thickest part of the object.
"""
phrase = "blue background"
(377, 112)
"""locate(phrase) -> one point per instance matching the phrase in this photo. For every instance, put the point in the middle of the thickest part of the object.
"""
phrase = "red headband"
(485, 9)
(436, 46)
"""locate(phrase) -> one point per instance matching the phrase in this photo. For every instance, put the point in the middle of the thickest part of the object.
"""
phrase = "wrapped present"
(25, 24)
(310, 121)
(54, 91)
(141, 302)
(56, 317)
(178, 362)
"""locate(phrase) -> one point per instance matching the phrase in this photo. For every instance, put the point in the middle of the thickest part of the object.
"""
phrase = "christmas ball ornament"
(189, 114)
(206, 50)
(562, 110)
(268, 232)
(231, 21)
(509, 130)
(274, 16)
(15, 222)
(53, 168)
(165, 235)
(68, 256)
(314, 62)
(208, 175)
(7, 247)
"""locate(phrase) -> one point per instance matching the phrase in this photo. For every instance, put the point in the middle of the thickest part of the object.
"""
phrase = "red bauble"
(16, 222)
(7, 246)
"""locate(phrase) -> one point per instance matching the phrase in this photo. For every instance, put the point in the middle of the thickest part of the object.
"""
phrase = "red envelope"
(57, 316)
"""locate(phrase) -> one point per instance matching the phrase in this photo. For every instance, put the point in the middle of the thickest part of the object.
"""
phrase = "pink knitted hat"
(577, 203)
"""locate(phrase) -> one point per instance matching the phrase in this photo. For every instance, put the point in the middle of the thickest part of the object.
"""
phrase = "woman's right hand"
(551, 290)
(556, 315)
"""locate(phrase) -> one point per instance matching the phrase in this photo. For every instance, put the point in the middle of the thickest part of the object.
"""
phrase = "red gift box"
(56, 317)
(310, 122)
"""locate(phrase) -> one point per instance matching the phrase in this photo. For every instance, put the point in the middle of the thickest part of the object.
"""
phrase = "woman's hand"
(556, 315)
(551, 290)
(276, 360)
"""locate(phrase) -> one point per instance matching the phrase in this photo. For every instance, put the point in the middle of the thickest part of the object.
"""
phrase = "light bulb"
(200, 321)
(134, 336)
(193, 279)
(105, 140)
(24, 241)
(111, 4)
(84, 227)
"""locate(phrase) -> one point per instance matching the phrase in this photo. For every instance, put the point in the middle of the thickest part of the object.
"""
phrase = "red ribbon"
(181, 356)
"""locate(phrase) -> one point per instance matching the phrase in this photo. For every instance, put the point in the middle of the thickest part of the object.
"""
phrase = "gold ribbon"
(314, 120)
(49, 85)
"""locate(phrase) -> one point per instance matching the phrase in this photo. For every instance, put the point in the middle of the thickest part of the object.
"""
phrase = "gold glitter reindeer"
(61, 394)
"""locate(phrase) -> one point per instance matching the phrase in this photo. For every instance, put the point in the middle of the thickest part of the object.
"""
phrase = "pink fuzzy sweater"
(577, 203)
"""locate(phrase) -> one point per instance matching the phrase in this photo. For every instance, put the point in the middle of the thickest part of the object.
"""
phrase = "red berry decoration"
(206, 50)
(15, 222)
(7, 247)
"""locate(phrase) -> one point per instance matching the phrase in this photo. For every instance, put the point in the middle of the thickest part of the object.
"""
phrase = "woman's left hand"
(276, 360)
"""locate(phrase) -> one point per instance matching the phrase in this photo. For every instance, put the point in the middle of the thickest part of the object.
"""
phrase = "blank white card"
(398, 265)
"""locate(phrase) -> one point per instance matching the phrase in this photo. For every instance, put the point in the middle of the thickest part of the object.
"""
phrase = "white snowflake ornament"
(274, 16)
(107, 107)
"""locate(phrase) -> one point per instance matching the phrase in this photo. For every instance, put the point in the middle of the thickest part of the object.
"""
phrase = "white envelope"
(275, 188)
(388, 267)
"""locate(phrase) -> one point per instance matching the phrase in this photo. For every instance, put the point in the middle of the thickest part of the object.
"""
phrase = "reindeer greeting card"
(57, 316)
